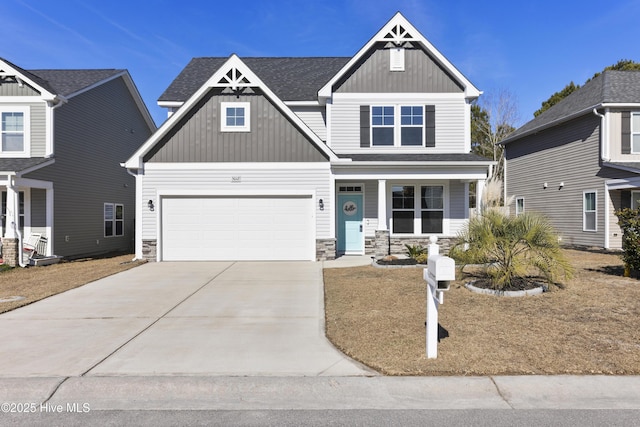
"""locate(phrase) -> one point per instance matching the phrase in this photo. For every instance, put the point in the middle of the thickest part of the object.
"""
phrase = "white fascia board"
(135, 161)
(414, 176)
(231, 166)
(469, 89)
(396, 97)
(45, 94)
(34, 183)
(170, 104)
(302, 103)
(358, 165)
(621, 184)
(239, 192)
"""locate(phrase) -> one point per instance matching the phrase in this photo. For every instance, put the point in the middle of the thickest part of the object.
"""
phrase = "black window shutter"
(430, 121)
(365, 126)
(626, 132)
(625, 199)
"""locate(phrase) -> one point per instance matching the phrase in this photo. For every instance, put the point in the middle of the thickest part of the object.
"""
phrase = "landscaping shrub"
(629, 222)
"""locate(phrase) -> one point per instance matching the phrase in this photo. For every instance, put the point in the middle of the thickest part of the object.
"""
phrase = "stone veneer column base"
(10, 252)
(397, 244)
(325, 249)
(381, 244)
(149, 250)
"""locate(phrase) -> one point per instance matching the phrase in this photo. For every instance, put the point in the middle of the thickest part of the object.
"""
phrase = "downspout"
(51, 124)
(20, 253)
(603, 136)
(604, 147)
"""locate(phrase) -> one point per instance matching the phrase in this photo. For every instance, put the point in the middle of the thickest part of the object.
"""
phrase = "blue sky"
(531, 48)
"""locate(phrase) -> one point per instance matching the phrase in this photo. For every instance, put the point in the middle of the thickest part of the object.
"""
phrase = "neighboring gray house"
(309, 158)
(64, 135)
(579, 161)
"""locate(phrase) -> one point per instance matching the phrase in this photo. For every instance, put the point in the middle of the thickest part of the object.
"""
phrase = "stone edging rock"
(528, 292)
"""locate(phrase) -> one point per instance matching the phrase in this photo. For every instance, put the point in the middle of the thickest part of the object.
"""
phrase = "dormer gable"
(398, 36)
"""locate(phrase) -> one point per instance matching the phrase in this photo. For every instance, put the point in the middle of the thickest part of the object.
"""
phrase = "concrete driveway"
(190, 318)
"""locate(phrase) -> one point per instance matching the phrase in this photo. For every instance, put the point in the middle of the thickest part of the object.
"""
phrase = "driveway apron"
(189, 318)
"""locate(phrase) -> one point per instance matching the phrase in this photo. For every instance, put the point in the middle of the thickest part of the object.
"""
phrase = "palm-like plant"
(511, 246)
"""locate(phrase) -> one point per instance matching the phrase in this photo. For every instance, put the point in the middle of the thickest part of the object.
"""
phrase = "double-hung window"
(235, 117)
(589, 211)
(14, 131)
(113, 219)
(417, 213)
(387, 131)
(635, 133)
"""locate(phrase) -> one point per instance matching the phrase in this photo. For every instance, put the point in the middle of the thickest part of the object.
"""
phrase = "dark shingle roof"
(608, 87)
(453, 157)
(291, 79)
(20, 164)
(66, 82)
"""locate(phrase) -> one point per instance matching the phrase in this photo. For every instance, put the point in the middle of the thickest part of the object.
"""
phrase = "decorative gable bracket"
(398, 36)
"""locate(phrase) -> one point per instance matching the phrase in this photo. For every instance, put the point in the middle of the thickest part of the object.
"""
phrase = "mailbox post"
(439, 272)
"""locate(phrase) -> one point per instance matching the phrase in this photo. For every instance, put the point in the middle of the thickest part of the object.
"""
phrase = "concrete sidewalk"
(339, 393)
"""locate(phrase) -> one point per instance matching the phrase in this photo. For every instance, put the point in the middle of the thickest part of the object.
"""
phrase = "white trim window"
(421, 213)
(21, 212)
(14, 131)
(113, 220)
(635, 133)
(519, 205)
(407, 132)
(589, 211)
(235, 117)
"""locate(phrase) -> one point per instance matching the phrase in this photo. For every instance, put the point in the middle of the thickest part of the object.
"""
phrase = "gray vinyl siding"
(39, 211)
(567, 153)
(14, 89)
(94, 132)
(272, 137)
(422, 74)
(458, 213)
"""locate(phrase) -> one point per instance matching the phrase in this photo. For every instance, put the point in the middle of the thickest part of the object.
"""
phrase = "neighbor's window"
(589, 211)
(432, 208)
(13, 127)
(113, 219)
(519, 205)
(635, 133)
(235, 117)
(403, 208)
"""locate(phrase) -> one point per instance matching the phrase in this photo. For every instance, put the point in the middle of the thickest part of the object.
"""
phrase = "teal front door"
(350, 227)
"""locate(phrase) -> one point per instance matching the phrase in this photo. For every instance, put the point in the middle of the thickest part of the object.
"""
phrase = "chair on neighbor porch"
(33, 246)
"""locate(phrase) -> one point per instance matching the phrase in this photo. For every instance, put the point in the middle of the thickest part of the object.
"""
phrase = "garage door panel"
(237, 228)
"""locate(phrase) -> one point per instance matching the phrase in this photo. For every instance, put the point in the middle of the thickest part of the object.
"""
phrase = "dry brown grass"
(36, 283)
(592, 326)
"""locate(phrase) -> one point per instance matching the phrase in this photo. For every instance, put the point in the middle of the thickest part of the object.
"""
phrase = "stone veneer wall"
(10, 252)
(325, 249)
(398, 244)
(149, 250)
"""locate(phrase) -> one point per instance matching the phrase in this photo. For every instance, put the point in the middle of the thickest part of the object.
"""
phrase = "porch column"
(382, 204)
(479, 191)
(12, 209)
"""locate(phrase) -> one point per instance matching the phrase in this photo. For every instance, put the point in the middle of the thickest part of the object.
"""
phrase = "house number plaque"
(236, 179)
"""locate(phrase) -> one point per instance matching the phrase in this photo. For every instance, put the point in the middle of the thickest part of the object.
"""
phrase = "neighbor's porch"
(26, 210)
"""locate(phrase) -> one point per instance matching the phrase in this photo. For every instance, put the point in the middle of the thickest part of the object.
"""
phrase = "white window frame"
(224, 127)
(432, 209)
(114, 220)
(585, 211)
(635, 133)
(26, 132)
(398, 126)
(519, 205)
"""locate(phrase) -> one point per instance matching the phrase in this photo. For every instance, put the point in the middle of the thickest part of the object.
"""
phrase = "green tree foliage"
(629, 221)
(621, 65)
(557, 97)
(511, 247)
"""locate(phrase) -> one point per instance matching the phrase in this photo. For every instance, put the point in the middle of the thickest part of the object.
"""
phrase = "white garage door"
(237, 228)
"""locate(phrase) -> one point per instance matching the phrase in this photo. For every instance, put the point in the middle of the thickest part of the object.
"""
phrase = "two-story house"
(309, 158)
(64, 134)
(579, 161)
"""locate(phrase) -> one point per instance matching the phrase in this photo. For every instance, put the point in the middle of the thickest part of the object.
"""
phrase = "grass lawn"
(36, 283)
(591, 326)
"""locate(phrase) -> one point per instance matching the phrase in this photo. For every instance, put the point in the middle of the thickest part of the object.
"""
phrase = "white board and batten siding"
(273, 190)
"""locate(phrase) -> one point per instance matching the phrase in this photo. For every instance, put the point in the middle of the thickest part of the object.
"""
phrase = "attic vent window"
(396, 58)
